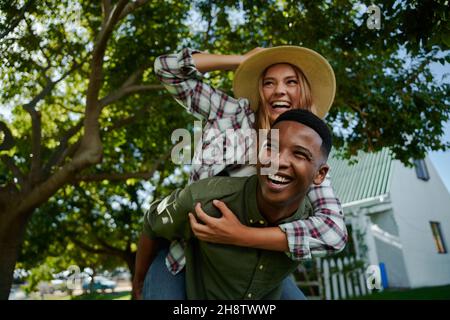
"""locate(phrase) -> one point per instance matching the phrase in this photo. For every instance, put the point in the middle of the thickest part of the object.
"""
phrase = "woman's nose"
(280, 88)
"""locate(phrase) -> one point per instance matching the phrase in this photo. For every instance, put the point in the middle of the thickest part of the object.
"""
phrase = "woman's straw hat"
(316, 69)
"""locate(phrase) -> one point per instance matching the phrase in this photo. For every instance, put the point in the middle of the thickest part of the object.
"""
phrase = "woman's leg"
(290, 291)
(160, 283)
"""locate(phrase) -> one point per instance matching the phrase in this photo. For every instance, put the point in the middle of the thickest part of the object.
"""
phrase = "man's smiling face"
(300, 163)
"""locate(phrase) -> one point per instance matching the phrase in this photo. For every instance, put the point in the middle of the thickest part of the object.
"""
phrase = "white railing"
(338, 278)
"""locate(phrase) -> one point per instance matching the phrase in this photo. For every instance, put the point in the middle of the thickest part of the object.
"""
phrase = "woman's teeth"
(280, 104)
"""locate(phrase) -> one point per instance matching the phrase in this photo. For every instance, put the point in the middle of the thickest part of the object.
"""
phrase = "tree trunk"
(11, 238)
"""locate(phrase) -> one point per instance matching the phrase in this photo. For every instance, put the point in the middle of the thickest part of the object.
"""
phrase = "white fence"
(338, 278)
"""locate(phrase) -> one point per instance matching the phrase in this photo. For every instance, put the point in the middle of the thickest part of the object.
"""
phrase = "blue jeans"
(160, 284)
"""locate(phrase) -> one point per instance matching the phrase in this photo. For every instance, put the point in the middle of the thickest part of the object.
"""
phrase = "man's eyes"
(301, 155)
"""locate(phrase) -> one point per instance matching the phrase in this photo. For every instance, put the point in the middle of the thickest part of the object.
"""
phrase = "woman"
(268, 82)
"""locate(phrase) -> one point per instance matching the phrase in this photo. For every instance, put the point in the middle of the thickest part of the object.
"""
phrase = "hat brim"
(316, 69)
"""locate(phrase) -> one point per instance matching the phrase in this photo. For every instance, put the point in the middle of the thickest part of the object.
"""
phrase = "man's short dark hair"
(309, 119)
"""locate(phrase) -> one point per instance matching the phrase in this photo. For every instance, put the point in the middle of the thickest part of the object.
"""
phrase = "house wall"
(415, 203)
(389, 249)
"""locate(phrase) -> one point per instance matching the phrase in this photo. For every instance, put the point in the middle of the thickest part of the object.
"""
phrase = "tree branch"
(113, 97)
(107, 246)
(96, 76)
(16, 22)
(131, 7)
(91, 149)
(106, 8)
(88, 248)
(111, 176)
(8, 161)
(58, 155)
(8, 139)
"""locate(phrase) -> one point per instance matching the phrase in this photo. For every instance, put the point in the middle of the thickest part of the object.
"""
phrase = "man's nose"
(283, 159)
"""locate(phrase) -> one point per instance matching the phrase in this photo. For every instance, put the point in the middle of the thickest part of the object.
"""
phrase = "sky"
(441, 160)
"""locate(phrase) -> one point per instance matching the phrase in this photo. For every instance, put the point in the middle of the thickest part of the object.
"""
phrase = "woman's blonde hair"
(262, 116)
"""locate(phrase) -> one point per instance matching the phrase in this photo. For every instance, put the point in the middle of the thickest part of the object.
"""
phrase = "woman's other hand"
(226, 229)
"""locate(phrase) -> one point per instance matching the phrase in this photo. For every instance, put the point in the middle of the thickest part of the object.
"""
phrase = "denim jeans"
(160, 284)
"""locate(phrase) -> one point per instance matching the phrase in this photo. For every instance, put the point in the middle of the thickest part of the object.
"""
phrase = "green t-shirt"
(218, 271)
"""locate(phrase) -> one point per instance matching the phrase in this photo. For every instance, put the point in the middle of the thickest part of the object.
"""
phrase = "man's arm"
(146, 252)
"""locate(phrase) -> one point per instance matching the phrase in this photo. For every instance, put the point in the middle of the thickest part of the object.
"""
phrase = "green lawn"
(426, 293)
(126, 295)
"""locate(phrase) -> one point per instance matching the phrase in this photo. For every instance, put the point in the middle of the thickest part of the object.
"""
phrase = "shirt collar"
(254, 217)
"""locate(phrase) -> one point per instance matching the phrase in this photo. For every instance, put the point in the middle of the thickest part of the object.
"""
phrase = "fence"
(334, 279)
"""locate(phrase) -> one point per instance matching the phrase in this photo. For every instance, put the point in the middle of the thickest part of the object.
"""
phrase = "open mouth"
(281, 105)
(278, 180)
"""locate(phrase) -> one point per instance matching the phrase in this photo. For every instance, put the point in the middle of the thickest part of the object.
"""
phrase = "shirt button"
(261, 267)
(249, 295)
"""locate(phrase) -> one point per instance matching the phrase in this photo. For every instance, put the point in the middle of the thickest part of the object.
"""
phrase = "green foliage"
(38, 274)
(386, 94)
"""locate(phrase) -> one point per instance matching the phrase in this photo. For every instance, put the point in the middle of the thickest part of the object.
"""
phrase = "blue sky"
(441, 160)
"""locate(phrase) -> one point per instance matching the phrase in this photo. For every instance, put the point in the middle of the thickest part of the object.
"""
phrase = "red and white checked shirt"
(322, 233)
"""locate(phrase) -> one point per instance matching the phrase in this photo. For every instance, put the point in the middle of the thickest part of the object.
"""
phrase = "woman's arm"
(322, 233)
(181, 74)
(229, 230)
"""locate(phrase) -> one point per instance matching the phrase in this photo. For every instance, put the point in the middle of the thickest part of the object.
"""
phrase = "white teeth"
(277, 178)
(280, 104)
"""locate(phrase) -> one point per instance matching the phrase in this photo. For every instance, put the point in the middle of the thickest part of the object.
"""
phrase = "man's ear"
(321, 174)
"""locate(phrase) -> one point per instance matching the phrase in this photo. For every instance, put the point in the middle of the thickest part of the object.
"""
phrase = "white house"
(398, 216)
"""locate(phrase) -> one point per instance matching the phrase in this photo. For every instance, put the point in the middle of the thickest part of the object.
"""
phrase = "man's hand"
(226, 229)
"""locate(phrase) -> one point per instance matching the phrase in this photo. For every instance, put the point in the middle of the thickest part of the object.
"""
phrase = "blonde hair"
(262, 116)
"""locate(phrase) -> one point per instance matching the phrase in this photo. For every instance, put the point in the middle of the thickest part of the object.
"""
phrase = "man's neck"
(275, 212)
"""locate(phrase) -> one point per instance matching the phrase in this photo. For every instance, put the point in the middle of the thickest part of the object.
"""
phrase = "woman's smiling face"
(280, 90)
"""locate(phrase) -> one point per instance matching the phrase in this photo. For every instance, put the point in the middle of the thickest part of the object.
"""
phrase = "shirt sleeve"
(178, 73)
(324, 232)
(168, 218)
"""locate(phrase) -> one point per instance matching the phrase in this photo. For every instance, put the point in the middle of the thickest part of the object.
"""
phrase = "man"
(216, 271)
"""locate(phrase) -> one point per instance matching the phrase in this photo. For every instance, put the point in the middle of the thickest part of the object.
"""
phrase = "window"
(437, 235)
(421, 170)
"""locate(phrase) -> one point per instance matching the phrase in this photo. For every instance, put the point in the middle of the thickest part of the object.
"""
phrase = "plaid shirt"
(322, 233)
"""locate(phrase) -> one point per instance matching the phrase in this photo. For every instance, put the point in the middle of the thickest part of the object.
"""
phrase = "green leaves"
(386, 94)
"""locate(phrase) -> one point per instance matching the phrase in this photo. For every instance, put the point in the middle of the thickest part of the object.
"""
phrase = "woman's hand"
(226, 229)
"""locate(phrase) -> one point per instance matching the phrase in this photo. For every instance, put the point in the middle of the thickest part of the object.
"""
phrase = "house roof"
(369, 177)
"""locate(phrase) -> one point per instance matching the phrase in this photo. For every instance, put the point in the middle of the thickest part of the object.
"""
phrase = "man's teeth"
(277, 178)
(280, 104)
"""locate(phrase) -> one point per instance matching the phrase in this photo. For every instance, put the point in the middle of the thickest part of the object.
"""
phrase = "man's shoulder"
(216, 187)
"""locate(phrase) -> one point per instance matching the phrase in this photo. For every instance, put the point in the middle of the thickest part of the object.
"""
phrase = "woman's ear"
(321, 174)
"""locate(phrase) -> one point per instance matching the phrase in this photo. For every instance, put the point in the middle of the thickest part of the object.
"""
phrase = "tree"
(76, 75)
(102, 220)
(86, 106)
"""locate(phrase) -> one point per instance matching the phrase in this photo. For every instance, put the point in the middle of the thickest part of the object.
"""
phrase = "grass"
(426, 293)
(125, 295)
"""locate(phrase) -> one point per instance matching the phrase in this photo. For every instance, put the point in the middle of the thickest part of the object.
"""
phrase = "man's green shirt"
(217, 271)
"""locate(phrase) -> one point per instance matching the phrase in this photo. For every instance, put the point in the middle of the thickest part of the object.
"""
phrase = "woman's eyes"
(290, 82)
